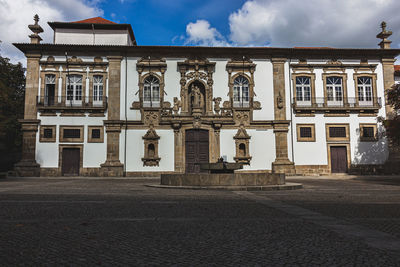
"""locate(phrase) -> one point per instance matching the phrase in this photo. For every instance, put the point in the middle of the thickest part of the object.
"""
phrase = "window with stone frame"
(303, 89)
(74, 88)
(98, 88)
(71, 134)
(241, 92)
(49, 89)
(95, 134)
(368, 132)
(337, 132)
(334, 89)
(305, 132)
(47, 133)
(151, 92)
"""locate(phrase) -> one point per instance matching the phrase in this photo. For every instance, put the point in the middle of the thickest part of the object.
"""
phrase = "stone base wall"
(223, 179)
(367, 169)
(312, 170)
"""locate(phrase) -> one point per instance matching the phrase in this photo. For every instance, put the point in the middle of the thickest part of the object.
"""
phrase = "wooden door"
(197, 149)
(338, 159)
(70, 161)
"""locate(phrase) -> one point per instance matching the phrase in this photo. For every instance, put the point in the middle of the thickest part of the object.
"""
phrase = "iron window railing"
(349, 102)
(71, 102)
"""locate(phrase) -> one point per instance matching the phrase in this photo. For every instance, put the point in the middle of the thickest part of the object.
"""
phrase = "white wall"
(135, 151)
(262, 148)
(264, 88)
(94, 154)
(100, 37)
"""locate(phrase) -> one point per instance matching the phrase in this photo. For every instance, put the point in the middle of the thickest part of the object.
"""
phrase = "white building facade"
(98, 104)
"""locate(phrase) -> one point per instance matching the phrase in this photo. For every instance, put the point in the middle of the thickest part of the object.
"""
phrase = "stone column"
(113, 166)
(282, 164)
(28, 165)
(392, 165)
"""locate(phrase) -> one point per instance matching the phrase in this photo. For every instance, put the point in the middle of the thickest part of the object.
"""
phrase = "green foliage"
(392, 124)
(12, 91)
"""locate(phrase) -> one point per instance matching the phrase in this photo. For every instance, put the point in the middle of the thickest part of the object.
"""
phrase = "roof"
(396, 67)
(94, 23)
(96, 20)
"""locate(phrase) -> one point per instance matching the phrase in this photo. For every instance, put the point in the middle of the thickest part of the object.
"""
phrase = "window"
(305, 132)
(303, 89)
(241, 92)
(50, 87)
(334, 90)
(337, 132)
(364, 85)
(151, 92)
(95, 134)
(74, 88)
(47, 133)
(368, 132)
(71, 134)
(97, 88)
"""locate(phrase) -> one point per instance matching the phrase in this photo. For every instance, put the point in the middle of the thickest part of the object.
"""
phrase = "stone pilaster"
(282, 164)
(179, 147)
(113, 166)
(28, 165)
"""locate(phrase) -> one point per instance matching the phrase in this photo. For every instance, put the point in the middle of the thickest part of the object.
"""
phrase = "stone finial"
(36, 29)
(384, 34)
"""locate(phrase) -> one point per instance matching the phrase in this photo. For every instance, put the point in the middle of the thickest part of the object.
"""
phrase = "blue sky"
(162, 22)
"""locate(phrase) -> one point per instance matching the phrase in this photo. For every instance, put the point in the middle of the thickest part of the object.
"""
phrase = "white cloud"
(201, 33)
(338, 23)
(18, 14)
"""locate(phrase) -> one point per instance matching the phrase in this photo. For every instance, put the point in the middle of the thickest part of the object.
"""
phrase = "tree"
(392, 124)
(12, 94)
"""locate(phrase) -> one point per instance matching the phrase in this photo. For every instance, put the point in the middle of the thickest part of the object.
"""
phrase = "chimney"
(384, 34)
(36, 29)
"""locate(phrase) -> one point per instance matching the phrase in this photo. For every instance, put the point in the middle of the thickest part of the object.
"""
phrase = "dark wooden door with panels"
(197, 149)
(70, 161)
(338, 159)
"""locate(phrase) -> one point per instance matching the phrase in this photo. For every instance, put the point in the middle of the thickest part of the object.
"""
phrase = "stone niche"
(242, 146)
(151, 157)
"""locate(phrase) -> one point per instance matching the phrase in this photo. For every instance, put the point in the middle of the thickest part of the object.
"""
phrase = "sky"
(274, 23)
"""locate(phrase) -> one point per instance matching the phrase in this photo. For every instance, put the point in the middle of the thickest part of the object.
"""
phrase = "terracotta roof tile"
(96, 20)
(300, 47)
(396, 67)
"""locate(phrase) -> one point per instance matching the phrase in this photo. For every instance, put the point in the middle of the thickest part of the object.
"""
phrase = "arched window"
(241, 92)
(303, 89)
(334, 89)
(364, 85)
(151, 92)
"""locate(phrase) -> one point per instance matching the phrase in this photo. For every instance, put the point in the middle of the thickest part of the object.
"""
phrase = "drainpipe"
(126, 108)
(291, 109)
(94, 36)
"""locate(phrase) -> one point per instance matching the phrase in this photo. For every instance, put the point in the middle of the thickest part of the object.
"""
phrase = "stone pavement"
(332, 221)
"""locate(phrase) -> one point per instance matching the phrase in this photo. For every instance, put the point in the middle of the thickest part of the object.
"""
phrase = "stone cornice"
(214, 52)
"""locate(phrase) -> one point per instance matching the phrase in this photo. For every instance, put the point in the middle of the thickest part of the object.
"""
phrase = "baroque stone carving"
(242, 146)
(217, 102)
(177, 106)
(151, 117)
(151, 157)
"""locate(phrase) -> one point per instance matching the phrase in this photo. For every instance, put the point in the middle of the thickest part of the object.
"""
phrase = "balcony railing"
(70, 102)
(344, 103)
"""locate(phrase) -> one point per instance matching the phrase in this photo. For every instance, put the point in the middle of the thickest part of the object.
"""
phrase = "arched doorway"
(197, 149)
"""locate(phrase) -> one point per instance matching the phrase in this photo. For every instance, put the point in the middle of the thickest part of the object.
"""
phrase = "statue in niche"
(196, 97)
(217, 102)
(177, 106)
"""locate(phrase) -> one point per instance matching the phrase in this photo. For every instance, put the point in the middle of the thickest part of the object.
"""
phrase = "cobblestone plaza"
(332, 221)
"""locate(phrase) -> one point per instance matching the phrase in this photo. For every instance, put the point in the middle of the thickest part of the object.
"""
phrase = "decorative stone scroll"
(151, 157)
(242, 146)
